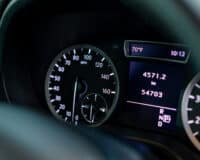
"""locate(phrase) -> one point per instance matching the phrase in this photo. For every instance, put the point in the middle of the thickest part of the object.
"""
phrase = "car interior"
(109, 79)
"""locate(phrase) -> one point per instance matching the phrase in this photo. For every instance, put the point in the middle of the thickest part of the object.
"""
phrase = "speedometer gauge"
(82, 86)
(191, 111)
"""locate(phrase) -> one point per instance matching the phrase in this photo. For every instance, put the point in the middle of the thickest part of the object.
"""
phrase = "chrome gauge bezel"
(184, 112)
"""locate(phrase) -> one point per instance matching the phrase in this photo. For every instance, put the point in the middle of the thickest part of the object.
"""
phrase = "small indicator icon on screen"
(153, 83)
(164, 118)
(135, 49)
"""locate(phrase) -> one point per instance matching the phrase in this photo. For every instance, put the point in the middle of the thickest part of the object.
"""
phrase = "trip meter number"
(153, 75)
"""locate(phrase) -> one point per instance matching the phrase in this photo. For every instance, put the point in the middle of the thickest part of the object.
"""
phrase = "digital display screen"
(153, 93)
(170, 52)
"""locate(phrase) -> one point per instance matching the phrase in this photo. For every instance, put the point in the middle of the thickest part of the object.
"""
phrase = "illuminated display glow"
(153, 93)
(152, 50)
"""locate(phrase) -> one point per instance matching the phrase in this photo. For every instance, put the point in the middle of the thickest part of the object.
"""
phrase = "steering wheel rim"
(28, 134)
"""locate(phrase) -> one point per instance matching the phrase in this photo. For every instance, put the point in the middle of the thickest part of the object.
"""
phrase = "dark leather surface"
(25, 134)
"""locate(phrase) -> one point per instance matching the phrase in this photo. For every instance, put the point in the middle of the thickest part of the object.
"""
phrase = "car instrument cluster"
(82, 87)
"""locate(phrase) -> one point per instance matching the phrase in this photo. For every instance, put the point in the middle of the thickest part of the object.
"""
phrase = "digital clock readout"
(152, 50)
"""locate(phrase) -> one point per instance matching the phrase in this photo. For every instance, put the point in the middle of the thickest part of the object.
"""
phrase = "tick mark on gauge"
(89, 51)
(189, 109)
(84, 106)
(191, 97)
(113, 92)
(197, 85)
(95, 97)
(52, 100)
(64, 56)
(102, 59)
(57, 65)
(51, 76)
(74, 51)
(190, 121)
(195, 134)
(66, 118)
(112, 74)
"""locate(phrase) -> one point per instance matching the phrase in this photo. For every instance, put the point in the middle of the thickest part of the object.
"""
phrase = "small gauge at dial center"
(94, 108)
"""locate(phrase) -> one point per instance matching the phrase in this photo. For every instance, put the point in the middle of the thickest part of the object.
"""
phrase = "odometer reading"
(78, 79)
(150, 93)
(191, 111)
(154, 93)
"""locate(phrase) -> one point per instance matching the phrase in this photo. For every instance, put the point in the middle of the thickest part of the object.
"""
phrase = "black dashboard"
(138, 91)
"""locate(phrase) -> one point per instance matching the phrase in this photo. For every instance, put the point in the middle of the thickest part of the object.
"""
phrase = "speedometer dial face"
(82, 86)
(191, 111)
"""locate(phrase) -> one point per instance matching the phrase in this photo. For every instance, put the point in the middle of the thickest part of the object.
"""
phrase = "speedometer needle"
(74, 98)
(91, 108)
